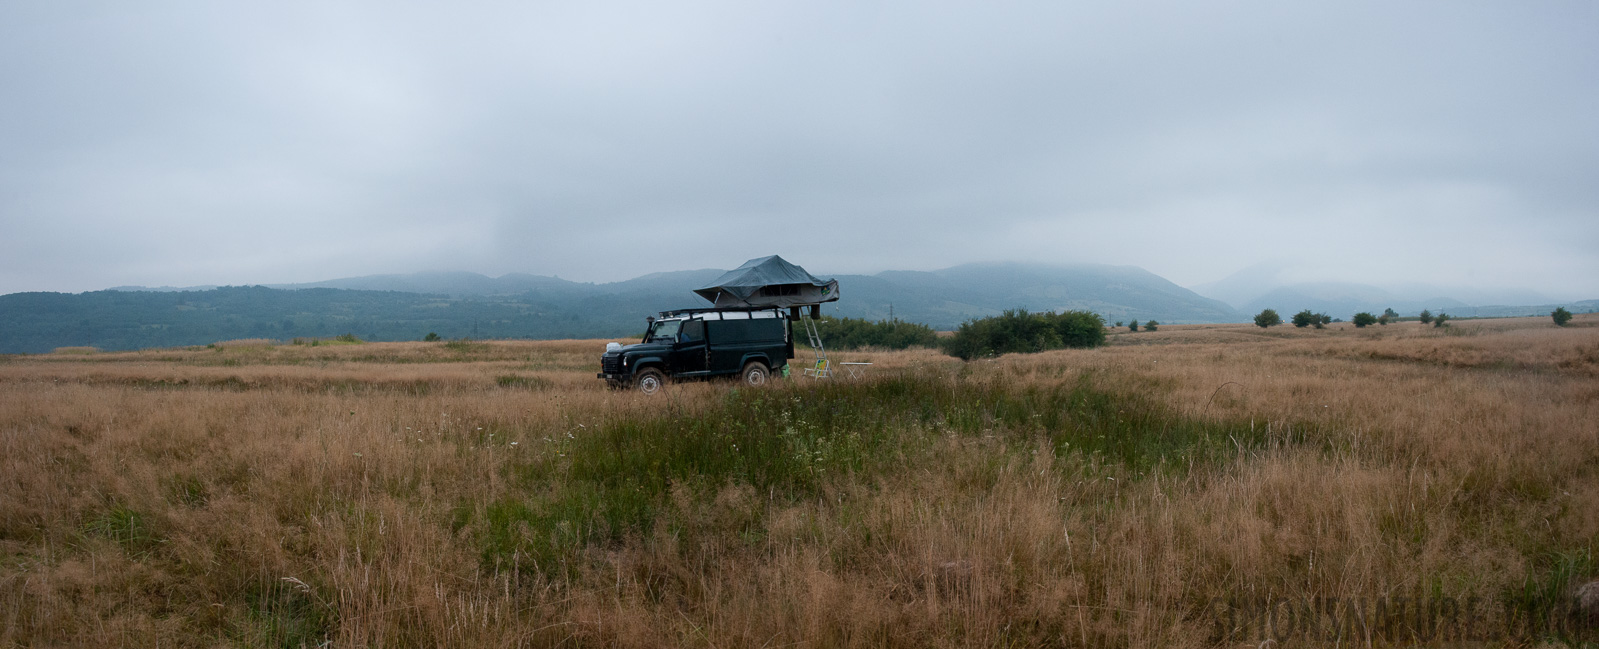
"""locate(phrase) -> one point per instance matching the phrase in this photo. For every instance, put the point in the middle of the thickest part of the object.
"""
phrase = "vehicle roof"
(680, 313)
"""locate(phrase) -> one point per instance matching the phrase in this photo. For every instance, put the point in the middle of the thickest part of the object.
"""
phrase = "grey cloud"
(189, 144)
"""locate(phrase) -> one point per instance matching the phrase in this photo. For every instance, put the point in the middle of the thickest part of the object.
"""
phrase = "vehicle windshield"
(664, 329)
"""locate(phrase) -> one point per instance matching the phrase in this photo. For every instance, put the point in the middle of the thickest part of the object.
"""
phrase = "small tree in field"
(1018, 331)
(1390, 313)
(1438, 321)
(1324, 318)
(1150, 326)
(1426, 316)
(1133, 326)
(1363, 318)
(1561, 316)
(1267, 318)
(1305, 318)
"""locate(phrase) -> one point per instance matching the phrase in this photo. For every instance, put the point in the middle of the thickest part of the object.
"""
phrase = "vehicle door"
(690, 355)
(729, 341)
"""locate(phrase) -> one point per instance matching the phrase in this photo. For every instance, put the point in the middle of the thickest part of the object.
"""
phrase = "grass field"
(1195, 486)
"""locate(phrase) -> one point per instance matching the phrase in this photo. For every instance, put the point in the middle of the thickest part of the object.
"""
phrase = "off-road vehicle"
(749, 343)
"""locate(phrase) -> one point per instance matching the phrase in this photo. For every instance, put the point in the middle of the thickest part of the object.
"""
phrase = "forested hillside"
(40, 322)
(456, 305)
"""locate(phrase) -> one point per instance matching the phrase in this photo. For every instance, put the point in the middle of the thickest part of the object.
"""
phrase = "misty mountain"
(945, 298)
(942, 299)
(1263, 286)
(164, 289)
(456, 305)
(453, 284)
(1240, 288)
(119, 320)
(468, 305)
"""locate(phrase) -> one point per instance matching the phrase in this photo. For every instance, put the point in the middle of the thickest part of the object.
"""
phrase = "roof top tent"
(769, 282)
(773, 282)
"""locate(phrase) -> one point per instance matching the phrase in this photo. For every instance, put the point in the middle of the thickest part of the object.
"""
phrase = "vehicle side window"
(665, 329)
(747, 331)
(693, 331)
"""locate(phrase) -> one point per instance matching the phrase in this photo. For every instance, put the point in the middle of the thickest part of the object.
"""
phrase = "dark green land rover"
(748, 343)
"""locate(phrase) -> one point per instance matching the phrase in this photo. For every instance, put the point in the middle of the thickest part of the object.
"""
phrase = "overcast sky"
(182, 143)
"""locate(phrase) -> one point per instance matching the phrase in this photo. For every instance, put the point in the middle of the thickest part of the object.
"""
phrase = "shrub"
(1133, 326)
(852, 333)
(1561, 316)
(430, 338)
(1151, 325)
(1438, 321)
(1018, 331)
(1390, 314)
(1268, 318)
(1305, 319)
(1384, 319)
(1363, 318)
(1426, 316)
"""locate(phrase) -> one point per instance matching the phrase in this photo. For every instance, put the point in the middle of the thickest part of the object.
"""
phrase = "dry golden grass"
(285, 494)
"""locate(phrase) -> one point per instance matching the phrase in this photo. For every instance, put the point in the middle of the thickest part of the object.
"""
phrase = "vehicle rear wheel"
(755, 373)
(650, 381)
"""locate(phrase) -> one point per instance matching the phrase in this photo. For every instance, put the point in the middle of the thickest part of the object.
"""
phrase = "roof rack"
(711, 309)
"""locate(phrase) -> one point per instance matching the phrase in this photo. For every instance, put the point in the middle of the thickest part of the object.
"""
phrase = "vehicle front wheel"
(755, 373)
(650, 381)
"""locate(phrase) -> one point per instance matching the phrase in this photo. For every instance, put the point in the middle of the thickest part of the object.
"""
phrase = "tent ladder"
(822, 369)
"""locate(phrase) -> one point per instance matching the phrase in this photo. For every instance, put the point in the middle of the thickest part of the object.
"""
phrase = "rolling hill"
(454, 305)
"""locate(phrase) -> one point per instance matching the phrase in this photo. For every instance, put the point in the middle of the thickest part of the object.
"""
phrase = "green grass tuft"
(789, 441)
(126, 527)
(524, 382)
(288, 612)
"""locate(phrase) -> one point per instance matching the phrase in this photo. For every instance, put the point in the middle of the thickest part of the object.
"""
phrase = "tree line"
(1307, 318)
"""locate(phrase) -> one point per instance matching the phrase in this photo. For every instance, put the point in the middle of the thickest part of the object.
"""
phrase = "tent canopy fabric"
(768, 282)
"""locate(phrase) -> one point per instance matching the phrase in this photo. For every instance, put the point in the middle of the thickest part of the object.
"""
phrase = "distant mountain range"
(455, 304)
(941, 299)
(945, 298)
(1262, 287)
(469, 305)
